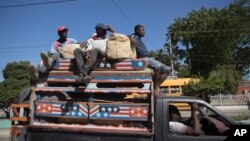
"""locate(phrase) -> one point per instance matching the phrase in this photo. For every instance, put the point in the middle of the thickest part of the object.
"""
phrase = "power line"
(127, 17)
(123, 13)
(26, 46)
(38, 3)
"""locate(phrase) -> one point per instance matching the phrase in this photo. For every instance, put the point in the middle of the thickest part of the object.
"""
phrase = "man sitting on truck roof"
(95, 48)
(55, 55)
(161, 71)
(176, 126)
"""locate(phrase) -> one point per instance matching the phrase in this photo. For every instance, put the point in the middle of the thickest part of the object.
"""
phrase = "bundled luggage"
(68, 50)
(119, 47)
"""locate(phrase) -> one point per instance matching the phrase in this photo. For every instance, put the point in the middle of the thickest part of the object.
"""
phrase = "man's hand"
(110, 29)
(83, 45)
(133, 41)
(195, 106)
(87, 58)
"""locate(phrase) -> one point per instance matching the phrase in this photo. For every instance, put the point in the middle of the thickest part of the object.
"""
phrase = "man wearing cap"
(95, 48)
(59, 43)
(55, 55)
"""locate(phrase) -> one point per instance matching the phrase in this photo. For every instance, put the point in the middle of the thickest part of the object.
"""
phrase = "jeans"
(53, 58)
(80, 56)
(155, 65)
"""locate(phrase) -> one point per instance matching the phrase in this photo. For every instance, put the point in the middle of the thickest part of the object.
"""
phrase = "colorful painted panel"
(61, 76)
(121, 76)
(56, 109)
(93, 88)
(63, 64)
(126, 64)
(131, 112)
(59, 89)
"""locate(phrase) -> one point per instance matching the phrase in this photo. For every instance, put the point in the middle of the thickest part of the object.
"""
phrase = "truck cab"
(206, 110)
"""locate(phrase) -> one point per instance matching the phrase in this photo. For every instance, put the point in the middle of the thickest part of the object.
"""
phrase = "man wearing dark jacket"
(161, 71)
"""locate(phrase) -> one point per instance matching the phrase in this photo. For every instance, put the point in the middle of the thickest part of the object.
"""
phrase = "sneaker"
(46, 60)
(81, 78)
(86, 79)
(33, 72)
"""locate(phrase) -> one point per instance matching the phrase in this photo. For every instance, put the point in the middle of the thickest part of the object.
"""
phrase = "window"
(164, 90)
(175, 89)
(180, 120)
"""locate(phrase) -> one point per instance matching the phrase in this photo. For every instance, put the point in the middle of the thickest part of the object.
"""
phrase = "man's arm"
(133, 41)
(196, 127)
(73, 41)
(111, 29)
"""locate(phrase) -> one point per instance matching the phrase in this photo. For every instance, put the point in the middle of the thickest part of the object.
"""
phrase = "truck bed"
(47, 135)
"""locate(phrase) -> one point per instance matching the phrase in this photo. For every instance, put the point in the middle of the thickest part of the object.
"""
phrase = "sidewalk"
(4, 129)
(4, 134)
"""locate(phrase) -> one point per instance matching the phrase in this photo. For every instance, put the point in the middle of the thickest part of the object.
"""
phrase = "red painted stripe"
(85, 111)
(120, 114)
(94, 110)
(56, 110)
(120, 66)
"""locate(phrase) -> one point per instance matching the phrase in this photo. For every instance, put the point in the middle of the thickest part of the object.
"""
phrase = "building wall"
(243, 87)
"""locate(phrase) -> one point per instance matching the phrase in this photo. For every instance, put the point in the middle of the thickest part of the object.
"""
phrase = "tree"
(227, 76)
(183, 71)
(161, 55)
(222, 80)
(16, 77)
(215, 37)
(164, 56)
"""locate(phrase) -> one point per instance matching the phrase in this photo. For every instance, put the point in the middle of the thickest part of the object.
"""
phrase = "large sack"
(68, 50)
(119, 47)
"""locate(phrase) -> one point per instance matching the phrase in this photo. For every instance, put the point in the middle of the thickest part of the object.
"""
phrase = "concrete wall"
(235, 110)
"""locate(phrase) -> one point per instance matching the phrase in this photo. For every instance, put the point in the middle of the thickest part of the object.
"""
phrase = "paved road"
(245, 121)
(4, 134)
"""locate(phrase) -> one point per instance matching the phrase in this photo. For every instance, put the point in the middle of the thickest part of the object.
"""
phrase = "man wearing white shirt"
(176, 126)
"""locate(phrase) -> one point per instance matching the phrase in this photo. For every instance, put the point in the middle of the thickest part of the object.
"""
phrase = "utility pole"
(171, 56)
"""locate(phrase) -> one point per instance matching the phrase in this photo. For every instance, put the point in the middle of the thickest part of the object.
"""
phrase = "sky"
(28, 27)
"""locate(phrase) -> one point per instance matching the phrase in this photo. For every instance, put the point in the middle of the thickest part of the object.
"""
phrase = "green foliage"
(17, 70)
(227, 76)
(163, 56)
(204, 87)
(183, 72)
(16, 78)
(215, 37)
(222, 80)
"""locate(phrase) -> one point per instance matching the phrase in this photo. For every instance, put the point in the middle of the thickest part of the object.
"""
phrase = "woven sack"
(68, 50)
(119, 47)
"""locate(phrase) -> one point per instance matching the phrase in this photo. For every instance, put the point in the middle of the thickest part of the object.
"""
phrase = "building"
(243, 87)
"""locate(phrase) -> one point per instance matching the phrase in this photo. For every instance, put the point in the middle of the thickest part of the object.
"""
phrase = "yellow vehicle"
(173, 87)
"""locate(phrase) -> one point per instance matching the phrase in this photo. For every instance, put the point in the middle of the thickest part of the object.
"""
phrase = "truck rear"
(116, 104)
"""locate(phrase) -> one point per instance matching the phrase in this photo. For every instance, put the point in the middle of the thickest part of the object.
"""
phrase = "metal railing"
(230, 100)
